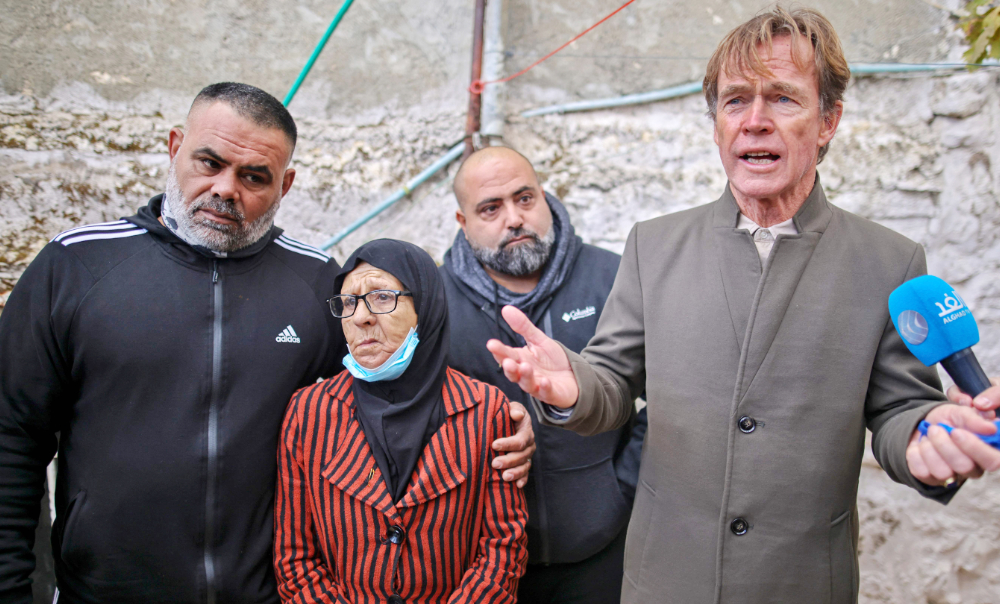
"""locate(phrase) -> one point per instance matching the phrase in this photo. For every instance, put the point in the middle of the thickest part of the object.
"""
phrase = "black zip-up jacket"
(166, 373)
(580, 489)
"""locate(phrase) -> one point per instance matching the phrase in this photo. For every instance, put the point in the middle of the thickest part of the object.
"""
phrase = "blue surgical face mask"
(392, 368)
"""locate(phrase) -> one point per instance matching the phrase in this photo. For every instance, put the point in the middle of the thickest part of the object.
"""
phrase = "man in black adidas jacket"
(164, 354)
(163, 349)
(514, 248)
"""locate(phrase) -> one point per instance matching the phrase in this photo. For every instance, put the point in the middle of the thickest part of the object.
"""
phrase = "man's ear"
(287, 180)
(174, 140)
(830, 122)
(460, 217)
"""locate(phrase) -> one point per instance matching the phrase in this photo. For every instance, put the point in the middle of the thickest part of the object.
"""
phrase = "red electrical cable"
(478, 85)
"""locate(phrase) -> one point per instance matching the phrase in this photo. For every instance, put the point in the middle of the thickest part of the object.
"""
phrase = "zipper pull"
(371, 475)
(215, 272)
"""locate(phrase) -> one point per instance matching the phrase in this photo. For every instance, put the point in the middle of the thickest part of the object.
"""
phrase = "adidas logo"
(288, 335)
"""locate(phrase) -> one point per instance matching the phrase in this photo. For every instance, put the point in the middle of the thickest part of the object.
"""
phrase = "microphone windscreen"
(932, 319)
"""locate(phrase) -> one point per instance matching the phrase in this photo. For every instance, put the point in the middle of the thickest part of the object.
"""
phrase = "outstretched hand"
(541, 368)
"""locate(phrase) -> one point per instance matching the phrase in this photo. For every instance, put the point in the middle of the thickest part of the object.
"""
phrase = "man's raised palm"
(541, 368)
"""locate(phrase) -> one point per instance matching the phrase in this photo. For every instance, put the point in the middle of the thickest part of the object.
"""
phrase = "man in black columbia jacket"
(517, 247)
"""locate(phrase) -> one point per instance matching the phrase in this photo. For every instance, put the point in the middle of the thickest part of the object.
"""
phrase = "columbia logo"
(579, 313)
(288, 335)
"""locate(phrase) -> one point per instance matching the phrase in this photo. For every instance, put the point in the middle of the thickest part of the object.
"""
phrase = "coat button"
(396, 536)
(739, 526)
(747, 424)
(395, 599)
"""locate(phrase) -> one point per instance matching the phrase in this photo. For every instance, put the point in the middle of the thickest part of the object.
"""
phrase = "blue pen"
(992, 440)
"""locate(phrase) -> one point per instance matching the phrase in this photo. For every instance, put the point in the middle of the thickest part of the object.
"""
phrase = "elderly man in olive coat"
(759, 328)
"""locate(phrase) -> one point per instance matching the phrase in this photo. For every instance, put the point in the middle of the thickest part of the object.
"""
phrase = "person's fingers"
(988, 400)
(501, 351)
(516, 443)
(522, 422)
(510, 369)
(958, 397)
(958, 462)
(939, 470)
(518, 475)
(961, 417)
(543, 389)
(526, 380)
(521, 374)
(513, 460)
(982, 455)
(521, 324)
(969, 419)
(515, 454)
(522, 438)
(916, 462)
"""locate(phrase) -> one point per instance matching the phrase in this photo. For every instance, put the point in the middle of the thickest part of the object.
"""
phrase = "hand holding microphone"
(937, 326)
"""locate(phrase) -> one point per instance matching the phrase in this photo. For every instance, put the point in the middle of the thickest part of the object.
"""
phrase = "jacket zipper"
(213, 435)
(537, 461)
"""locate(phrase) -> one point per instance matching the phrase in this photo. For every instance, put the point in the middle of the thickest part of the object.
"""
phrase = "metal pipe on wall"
(621, 101)
(492, 116)
(695, 87)
(475, 96)
(316, 51)
(415, 182)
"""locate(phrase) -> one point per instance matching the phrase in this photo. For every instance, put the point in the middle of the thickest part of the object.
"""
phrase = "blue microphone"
(938, 327)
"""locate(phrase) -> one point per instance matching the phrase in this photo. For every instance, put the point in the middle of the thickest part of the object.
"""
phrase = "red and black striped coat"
(457, 534)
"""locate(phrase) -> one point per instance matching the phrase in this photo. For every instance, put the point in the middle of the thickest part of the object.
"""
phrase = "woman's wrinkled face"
(373, 338)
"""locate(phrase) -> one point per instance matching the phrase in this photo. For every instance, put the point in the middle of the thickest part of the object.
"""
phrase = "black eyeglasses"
(378, 301)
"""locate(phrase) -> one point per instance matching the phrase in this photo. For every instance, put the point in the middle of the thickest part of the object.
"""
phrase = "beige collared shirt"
(764, 238)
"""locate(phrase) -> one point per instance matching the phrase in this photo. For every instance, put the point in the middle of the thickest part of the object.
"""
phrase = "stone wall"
(916, 153)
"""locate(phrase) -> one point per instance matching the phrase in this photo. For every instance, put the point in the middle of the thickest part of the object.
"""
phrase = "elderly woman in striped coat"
(385, 487)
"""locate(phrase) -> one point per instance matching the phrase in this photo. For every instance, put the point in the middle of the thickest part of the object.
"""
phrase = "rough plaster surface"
(919, 154)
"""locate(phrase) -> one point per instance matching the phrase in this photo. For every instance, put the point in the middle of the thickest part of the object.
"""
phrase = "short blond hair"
(738, 53)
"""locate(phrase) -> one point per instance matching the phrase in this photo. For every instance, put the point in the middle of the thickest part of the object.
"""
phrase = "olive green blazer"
(802, 350)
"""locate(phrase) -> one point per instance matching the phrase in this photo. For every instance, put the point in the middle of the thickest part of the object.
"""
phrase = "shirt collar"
(782, 228)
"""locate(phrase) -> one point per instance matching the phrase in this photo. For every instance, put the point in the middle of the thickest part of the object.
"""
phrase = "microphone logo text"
(952, 308)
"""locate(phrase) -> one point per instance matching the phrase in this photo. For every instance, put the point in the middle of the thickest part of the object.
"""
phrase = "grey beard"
(519, 260)
(212, 235)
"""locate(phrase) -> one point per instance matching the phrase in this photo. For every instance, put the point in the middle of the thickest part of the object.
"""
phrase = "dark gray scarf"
(461, 261)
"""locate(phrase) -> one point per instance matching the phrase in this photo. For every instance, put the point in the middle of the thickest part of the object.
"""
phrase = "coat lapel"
(739, 265)
(782, 272)
(438, 470)
(352, 468)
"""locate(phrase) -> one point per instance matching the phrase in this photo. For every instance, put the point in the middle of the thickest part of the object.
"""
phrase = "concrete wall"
(88, 94)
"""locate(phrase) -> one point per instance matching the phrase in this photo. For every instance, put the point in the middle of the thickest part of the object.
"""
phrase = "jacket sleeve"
(34, 382)
(303, 576)
(901, 392)
(503, 546)
(611, 370)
